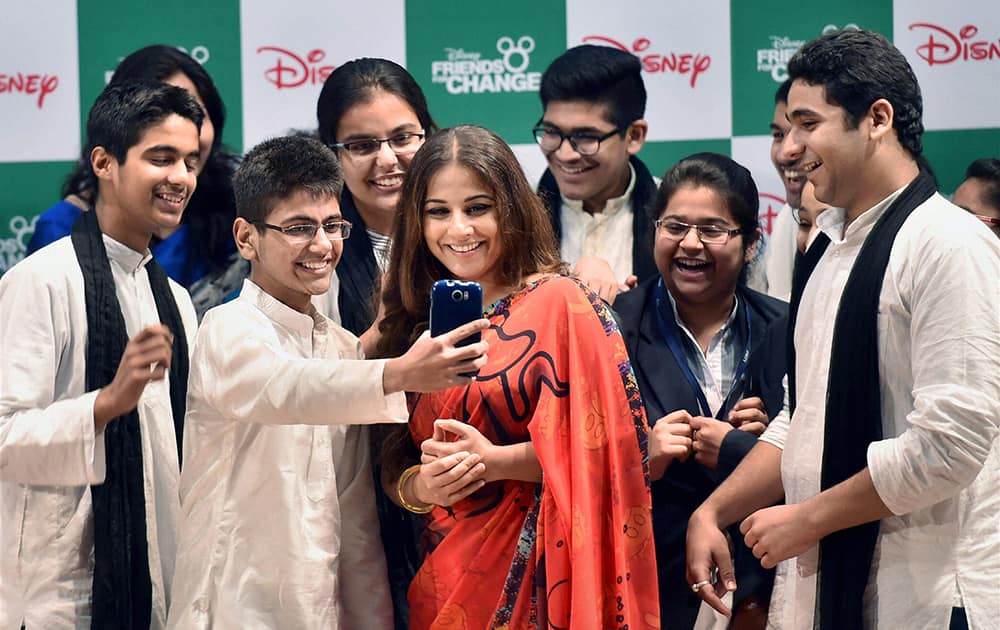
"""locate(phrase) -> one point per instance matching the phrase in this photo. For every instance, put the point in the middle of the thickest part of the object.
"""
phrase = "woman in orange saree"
(540, 514)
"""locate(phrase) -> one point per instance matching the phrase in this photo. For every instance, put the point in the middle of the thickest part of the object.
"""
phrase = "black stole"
(122, 596)
(854, 408)
(358, 273)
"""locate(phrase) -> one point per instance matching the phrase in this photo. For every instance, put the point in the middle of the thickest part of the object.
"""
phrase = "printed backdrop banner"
(710, 67)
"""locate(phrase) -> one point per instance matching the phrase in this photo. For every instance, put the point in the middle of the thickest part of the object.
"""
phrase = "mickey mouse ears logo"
(523, 49)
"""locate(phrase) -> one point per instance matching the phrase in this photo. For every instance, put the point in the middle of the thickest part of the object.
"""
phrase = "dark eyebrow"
(800, 113)
(172, 151)
(775, 127)
(401, 129)
(301, 218)
(479, 196)
(593, 130)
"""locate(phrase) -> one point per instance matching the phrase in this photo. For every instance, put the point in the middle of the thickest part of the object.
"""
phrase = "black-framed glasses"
(551, 139)
(306, 232)
(707, 234)
(400, 144)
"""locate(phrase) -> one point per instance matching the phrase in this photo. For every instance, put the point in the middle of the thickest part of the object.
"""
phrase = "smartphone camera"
(457, 295)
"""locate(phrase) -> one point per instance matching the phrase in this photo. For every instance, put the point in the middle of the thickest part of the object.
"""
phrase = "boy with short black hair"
(595, 187)
(278, 526)
(93, 377)
(892, 407)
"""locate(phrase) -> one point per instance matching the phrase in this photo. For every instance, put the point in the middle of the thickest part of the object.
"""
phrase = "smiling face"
(834, 155)
(207, 136)
(375, 181)
(785, 161)
(695, 273)
(592, 179)
(289, 270)
(149, 190)
(461, 227)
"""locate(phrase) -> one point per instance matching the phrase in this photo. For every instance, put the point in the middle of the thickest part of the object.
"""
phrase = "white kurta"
(606, 234)
(939, 369)
(49, 453)
(278, 525)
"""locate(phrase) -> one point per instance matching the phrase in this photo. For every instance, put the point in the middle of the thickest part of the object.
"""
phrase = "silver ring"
(697, 586)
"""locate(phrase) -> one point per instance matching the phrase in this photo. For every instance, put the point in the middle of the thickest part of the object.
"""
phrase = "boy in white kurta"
(278, 525)
(93, 356)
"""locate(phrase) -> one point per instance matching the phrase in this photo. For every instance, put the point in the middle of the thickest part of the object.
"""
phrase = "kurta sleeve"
(247, 376)
(362, 574)
(777, 430)
(954, 333)
(43, 441)
(590, 434)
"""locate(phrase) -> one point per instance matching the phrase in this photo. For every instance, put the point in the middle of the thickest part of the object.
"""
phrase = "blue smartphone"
(453, 303)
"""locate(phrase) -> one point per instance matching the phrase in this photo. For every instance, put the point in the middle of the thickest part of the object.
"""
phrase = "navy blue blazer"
(685, 485)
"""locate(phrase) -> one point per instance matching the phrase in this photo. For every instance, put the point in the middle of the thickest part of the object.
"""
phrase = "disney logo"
(291, 71)
(785, 41)
(679, 63)
(19, 83)
(458, 54)
(949, 47)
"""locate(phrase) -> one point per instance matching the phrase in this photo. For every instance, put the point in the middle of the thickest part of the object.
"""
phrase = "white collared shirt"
(49, 452)
(278, 523)
(715, 368)
(939, 375)
(606, 234)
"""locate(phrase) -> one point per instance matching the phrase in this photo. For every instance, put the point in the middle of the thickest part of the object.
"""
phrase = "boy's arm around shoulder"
(241, 370)
(47, 434)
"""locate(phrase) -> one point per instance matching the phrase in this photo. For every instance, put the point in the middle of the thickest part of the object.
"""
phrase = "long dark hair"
(356, 82)
(527, 240)
(212, 209)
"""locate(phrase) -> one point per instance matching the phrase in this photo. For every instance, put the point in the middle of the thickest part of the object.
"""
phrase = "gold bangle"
(416, 509)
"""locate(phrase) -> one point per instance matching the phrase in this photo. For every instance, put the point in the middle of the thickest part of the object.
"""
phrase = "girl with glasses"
(373, 113)
(709, 359)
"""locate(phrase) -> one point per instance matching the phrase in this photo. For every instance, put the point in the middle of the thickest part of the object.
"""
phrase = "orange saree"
(575, 551)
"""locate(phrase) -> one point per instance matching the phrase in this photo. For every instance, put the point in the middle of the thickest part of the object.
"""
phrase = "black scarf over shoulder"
(122, 596)
(643, 196)
(854, 404)
(357, 272)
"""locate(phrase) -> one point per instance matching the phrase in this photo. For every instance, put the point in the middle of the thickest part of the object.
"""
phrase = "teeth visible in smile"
(803, 170)
(389, 182)
(462, 249)
(171, 198)
(314, 265)
(571, 170)
(693, 265)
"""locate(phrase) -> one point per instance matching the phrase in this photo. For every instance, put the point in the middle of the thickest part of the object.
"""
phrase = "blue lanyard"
(675, 348)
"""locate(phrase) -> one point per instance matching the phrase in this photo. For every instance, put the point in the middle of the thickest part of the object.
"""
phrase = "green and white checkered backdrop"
(711, 68)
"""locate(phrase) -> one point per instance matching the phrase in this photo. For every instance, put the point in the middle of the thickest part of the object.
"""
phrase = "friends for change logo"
(465, 72)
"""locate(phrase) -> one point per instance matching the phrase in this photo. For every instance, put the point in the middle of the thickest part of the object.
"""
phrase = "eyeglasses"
(402, 144)
(583, 143)
(707, 234)
(306, 232)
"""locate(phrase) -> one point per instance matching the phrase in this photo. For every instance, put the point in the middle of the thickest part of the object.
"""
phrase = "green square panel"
(659, 156)
(950, 153)
(28, 189)
(208, 31)
(482, 63)
(766, 33)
